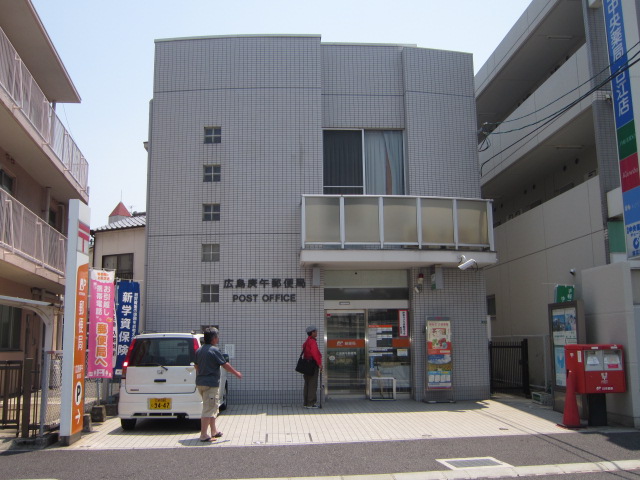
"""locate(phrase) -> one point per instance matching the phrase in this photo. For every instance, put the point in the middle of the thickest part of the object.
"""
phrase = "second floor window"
(209, 293)
(211, 212)
(360, 162)
(212, 134)
(122, 264)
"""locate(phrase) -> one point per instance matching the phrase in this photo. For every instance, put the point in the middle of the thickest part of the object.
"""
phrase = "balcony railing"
(343, 221)
(16, 80)
(25, 234)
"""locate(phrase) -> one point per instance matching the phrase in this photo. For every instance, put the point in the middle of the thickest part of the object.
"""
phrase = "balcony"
(30, 249)
(42, 145)
(353, 231)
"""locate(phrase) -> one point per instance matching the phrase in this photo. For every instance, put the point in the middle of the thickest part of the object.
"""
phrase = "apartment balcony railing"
(25, 234)
(16, 80)
(388, 222)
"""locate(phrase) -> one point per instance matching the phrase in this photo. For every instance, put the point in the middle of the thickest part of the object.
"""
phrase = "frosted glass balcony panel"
(322, 219)
(437, 221)
(400, 220)
(472, 222)
(361, 220)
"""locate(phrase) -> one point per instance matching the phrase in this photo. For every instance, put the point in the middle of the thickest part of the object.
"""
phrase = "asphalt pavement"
(505, 437)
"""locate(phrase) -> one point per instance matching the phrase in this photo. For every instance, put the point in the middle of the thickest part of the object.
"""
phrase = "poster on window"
(100, 335)
(127, 314)
(439, 361)
(564, 331)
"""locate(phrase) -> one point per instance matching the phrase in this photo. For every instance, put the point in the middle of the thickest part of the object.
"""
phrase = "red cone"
(571, 417)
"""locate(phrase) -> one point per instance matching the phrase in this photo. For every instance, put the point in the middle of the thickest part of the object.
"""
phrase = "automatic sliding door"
(346, 371)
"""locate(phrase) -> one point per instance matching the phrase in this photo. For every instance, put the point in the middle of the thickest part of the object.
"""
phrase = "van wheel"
(223, 405)
(128, 423)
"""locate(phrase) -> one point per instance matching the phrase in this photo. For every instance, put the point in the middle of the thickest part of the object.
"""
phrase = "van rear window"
(169, 352)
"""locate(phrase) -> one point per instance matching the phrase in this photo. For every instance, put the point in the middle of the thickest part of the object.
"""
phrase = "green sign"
(627, 140)
(565, 293)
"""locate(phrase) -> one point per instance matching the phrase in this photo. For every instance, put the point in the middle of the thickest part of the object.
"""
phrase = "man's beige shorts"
(210, 400)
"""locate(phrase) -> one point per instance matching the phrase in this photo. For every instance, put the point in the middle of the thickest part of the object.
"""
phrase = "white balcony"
(30, 249)
(351, 231)
(33, 134)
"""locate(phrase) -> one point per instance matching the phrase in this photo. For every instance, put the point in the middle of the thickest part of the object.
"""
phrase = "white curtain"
(384, 162)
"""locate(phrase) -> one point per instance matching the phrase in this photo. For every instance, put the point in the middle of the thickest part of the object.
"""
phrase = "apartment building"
(549, 158)
(41, 169)
(293, 182)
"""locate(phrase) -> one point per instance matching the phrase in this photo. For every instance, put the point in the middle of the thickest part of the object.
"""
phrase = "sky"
(107, 47)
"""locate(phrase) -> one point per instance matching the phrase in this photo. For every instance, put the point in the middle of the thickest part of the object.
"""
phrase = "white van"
(159, 379)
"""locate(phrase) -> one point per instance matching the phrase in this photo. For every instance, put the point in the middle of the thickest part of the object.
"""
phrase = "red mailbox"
(597, 368)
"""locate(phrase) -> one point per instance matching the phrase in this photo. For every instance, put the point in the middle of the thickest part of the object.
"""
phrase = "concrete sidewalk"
(340, 421)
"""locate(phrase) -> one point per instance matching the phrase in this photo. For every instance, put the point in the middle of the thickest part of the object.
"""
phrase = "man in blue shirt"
(209, 359)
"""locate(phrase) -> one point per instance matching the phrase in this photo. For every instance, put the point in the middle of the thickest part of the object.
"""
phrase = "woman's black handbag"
(306, 367)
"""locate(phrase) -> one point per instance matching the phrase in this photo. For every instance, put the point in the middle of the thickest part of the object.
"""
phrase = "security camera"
(572, 271)
(464, 263)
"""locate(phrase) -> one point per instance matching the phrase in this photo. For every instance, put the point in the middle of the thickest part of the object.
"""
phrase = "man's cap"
(311, 328)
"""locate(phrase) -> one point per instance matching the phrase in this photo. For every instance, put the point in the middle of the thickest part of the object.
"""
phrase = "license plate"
(159, 404)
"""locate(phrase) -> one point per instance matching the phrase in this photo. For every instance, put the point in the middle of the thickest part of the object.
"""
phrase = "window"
(10, 320)
(491, 306)
(209, 293)
(122, 264)
(363, 162)
(6, 182)
(211, 173)
(212, 135)
(210, 252)
(210, 212)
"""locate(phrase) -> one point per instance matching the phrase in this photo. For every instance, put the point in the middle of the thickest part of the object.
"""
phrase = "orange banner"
(80, 347)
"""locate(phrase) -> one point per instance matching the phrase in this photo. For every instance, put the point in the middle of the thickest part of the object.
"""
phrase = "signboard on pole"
(75, 322)
(439, 360)
(100, 341)
(127, 314)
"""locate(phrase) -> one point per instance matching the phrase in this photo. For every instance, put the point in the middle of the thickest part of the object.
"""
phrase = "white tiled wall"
(272, 96)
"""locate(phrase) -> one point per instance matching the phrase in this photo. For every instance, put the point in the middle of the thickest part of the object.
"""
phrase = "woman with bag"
(311, 352)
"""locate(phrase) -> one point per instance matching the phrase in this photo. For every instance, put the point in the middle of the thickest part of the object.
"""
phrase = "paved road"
(367, 458)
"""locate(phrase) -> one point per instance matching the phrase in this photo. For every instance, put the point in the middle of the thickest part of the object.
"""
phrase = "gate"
(10, 392)
(509, 365)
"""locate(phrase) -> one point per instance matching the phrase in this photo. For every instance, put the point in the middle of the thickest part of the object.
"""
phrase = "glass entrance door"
(346, 353)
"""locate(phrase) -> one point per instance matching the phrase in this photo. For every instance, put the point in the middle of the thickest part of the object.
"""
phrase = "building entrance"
(366, 343)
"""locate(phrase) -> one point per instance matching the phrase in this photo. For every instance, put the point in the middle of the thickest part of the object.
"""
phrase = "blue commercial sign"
(127, 313)
(625, 125)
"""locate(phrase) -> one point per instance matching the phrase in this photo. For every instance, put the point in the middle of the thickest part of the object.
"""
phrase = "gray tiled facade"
(272, 96)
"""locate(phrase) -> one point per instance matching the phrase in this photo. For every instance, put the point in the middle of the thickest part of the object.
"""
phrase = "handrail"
(17, 81)
(396, 221)
(24, 233)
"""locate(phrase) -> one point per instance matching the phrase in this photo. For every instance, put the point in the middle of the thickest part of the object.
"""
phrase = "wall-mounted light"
(467, 263)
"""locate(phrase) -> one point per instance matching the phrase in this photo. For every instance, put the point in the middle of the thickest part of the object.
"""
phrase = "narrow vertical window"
(210, 252)
(212, 135)
(209, 293)
(211, 173)
(210, 212)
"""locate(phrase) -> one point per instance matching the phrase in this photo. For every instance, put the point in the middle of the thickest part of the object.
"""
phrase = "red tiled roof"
(120, 211)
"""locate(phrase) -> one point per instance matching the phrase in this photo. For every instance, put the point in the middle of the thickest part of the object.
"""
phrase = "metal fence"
(509, 365)
(10, 393)
(31, 398)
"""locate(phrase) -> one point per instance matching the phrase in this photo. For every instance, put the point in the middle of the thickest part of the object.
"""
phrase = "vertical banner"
(127, 312)
(564, 328)
(625, 124)
(100, 341)
(76, 296)
(439, 361)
